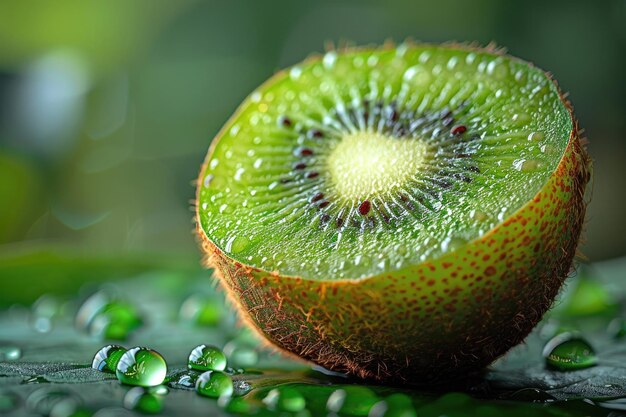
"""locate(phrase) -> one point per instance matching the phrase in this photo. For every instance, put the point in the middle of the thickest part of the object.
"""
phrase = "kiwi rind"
(421, 323)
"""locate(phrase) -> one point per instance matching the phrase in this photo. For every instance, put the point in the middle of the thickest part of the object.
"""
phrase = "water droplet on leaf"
(214, 384)
(207, 358)
(107, 358)
(141, 366)
(568, 352)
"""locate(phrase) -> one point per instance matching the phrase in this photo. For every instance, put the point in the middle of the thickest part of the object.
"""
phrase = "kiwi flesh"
(402, 214)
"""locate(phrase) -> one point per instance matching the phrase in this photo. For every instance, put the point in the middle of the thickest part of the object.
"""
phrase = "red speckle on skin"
(446, 265)
(431, 282)
(458, 130)
(364, 207)
(490, 270)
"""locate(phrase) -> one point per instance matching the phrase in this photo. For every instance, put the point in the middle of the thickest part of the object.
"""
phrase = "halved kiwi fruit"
(403, 214)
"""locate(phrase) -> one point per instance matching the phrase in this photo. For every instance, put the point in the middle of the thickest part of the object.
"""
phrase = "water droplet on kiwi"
(207, 358)
(295, 73)
(520, 119)
(10, 353)
(255, 97)
(568, 352)
(526, 165)
(214, 384)
(107, 358)
(329, 60)
(451, 243)
(417, 75)
(498, 69)
(479, 215)
(237, 244)
(142, 367)
(143, 401)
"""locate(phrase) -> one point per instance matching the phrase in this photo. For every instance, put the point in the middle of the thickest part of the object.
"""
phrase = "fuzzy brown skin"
(430, 322)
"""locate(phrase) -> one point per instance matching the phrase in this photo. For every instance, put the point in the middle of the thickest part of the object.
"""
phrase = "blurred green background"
(107, 108)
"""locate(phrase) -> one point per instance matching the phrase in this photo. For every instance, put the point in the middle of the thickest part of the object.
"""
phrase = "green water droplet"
(115, 321)
(141, 366)
(139, 399)
(107, 358)
(10, 353)
(617, 328)
(214, 384)
(352, 400)
(566, 352)
(201, 310)
(8, 401)
(241, 354)
(285, 399)
(207, 358)
(108, 318)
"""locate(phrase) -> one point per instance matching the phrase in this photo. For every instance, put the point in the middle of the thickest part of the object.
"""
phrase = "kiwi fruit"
(403, 214)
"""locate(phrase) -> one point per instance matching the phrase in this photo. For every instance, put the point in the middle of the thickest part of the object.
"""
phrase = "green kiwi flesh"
(381, 175)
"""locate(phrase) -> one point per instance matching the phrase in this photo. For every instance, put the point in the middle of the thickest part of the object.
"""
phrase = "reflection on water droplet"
(107, 358)
(236, 244)
(139, 399)
(352, 400)
(526, 165)
(567, 352)
(535, 136)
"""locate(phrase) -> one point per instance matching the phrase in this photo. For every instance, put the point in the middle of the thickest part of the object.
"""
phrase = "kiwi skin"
(439, 320)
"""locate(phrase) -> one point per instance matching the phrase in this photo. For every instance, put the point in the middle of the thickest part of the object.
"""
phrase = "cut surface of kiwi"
(365, 207)
(368, 161)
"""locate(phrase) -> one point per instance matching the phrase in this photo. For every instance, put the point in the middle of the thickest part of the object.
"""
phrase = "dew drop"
(142, 367)
(107, 358)
(329, 60)
(535, 136)
(214, 384)
(255, 97)
(237, 244)
(568, 352)
(207, 358)
(520, 119)
(498, 69)
(479, 215)
(451, 243)
(417, 75)
(295, 73)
